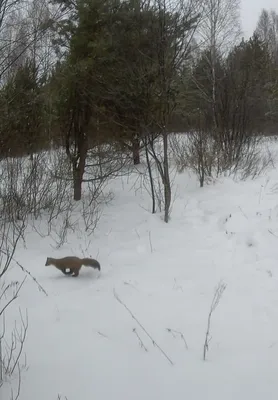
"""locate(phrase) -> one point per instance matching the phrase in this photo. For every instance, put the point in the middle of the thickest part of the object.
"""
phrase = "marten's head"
(48, 261)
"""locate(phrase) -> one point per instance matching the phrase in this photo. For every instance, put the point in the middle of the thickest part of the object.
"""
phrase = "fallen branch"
(142, 327)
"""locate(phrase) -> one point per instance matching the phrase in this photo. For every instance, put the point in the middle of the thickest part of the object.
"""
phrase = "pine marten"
(74, 264)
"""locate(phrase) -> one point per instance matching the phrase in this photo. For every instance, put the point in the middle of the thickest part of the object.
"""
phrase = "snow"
(81, 342)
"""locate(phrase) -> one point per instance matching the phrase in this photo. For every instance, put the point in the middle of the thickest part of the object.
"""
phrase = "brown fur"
(74, 264)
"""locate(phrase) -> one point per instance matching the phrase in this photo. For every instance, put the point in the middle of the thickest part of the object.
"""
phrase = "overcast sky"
(250, 11)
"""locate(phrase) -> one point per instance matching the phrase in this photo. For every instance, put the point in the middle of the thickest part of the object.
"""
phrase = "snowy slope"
(81, 341)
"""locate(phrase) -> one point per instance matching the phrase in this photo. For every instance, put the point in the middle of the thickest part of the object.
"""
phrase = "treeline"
(88, 88)
(80, 75)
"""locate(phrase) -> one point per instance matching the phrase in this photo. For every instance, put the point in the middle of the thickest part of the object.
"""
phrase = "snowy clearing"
(82, 344)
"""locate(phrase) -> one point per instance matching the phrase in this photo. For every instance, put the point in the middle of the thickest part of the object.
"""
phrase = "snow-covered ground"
(83, 344)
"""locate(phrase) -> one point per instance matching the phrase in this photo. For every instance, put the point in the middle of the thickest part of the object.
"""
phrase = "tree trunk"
(136, 151)
(167, 181)
(77, 185)
(150, 176)
(78, 169)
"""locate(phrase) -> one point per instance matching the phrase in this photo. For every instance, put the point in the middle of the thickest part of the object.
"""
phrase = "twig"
(178, 333)
(18, 386)
(215, 301)
(272, 233)
(150, 240)
(140, 340)
(15, 295)
(26, 271)
(21, 336)
(130, 284)
(176, 287)
(141, 326)
(260, 196)
(102, 334)
(32, 277)
(243, 212)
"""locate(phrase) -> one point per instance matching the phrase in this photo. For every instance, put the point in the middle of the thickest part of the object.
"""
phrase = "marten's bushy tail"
(90, 262)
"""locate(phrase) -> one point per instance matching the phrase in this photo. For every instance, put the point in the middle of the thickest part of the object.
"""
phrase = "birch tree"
(267, 31)
(218, 32)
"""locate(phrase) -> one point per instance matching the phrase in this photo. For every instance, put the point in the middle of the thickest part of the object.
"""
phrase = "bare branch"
(215, 301)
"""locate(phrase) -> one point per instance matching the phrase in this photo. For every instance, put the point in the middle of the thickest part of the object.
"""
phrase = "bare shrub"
(28, 187)
(91, 209)
(195, 151)
(103, 163)
(253, 161)
(106, 161)
(39, 189)
(12, 338)
(179, 147)
(31, 188)
(13, 333)
(60, 228)
(201, 153)
(11, 352)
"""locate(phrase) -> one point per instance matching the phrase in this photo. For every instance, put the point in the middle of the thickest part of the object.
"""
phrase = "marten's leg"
(63, 270)
(75, 273)
(66, 272)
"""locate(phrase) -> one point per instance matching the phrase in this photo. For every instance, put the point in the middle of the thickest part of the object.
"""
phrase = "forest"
(93, 90)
